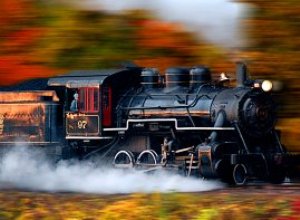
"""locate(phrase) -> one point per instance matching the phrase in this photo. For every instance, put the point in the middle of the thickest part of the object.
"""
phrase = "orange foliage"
(22, 38)
(153, 34)
(157, 34)
(162, 63)
(17, 39)
(14, 69)
(159, 44)
(167, 44)
(273, 53)
(13, 11)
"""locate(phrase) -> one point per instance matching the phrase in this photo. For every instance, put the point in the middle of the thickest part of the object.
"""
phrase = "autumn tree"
(43, 38)
(20, 31)
(273, 52)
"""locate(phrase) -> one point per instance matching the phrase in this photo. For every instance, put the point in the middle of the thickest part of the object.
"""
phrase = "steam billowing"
(218, 21)
(29, 169)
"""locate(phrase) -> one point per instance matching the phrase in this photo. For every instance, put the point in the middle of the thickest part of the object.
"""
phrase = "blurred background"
(40, 38)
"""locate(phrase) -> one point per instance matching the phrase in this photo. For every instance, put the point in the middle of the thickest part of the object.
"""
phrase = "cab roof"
(92, 78)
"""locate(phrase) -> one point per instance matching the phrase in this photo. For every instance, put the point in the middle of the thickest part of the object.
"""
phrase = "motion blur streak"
(216, 20)
(28, 169)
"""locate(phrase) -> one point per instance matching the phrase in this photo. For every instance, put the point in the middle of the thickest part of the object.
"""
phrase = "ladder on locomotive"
(191, 165)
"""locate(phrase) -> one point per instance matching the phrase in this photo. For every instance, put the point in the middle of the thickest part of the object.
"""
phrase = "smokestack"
(241, 74)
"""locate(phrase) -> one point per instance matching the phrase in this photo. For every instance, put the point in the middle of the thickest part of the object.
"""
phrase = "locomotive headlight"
(267, 85)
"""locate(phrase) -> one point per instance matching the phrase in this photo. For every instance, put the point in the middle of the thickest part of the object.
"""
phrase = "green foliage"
(84, 39)
(170, 206)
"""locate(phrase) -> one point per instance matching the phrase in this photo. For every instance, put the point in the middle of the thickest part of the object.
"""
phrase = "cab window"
(88, 100)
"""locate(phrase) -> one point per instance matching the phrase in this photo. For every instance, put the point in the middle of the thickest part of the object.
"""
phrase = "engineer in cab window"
(74, 103)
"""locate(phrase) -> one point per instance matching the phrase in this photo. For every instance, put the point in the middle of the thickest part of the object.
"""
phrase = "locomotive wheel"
(240, 174)
(147, 157)
(124, 159)
(224, 170)
(277, 175)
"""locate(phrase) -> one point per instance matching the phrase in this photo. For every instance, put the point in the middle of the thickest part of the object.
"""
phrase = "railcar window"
(88, 100)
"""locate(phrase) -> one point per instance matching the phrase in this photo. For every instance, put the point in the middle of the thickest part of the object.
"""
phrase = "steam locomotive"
(134, 118)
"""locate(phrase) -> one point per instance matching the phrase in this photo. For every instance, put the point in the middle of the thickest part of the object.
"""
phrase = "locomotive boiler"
(226, 132)
(135, 118)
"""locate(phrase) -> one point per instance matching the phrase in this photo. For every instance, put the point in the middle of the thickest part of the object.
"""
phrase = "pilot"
(74, 103)
(223, 80)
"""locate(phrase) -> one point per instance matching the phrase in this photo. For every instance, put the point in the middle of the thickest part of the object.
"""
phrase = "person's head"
(76, 96)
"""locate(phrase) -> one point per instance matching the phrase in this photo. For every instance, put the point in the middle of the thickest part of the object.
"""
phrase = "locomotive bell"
(223, 77)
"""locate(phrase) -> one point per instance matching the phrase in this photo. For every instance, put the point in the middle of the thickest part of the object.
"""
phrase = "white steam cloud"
(218, 21)
(28, 169)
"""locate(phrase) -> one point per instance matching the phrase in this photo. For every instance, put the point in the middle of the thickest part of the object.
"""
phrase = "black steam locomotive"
(135, 118)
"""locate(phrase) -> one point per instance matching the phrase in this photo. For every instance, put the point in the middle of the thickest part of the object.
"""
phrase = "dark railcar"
(28, 117)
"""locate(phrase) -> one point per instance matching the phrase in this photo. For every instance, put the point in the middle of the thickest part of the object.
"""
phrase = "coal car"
(136, 118)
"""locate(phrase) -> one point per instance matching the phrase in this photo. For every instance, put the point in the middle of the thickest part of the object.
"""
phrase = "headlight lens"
(266, 85)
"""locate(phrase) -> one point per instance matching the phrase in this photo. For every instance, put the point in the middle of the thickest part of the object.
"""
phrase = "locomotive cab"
(89, 100)
(88, 108)
(83, 112)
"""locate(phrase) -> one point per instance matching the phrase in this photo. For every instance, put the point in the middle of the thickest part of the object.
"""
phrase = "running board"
(174, 120)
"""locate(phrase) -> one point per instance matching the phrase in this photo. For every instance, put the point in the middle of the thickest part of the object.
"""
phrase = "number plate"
(82, 124)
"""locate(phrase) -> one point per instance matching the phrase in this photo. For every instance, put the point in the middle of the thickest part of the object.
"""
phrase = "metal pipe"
(192, 104)
(218, 123)
(241, 74)
(164, 107)
(87, 138)
(278, 141)
(241, 137)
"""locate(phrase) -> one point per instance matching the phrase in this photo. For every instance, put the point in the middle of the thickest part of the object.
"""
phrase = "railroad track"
(261, 188)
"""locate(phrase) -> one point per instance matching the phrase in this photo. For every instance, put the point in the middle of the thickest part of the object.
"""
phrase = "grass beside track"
(209, 205)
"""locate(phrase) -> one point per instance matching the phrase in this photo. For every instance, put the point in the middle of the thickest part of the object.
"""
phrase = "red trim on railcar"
(88, 100)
